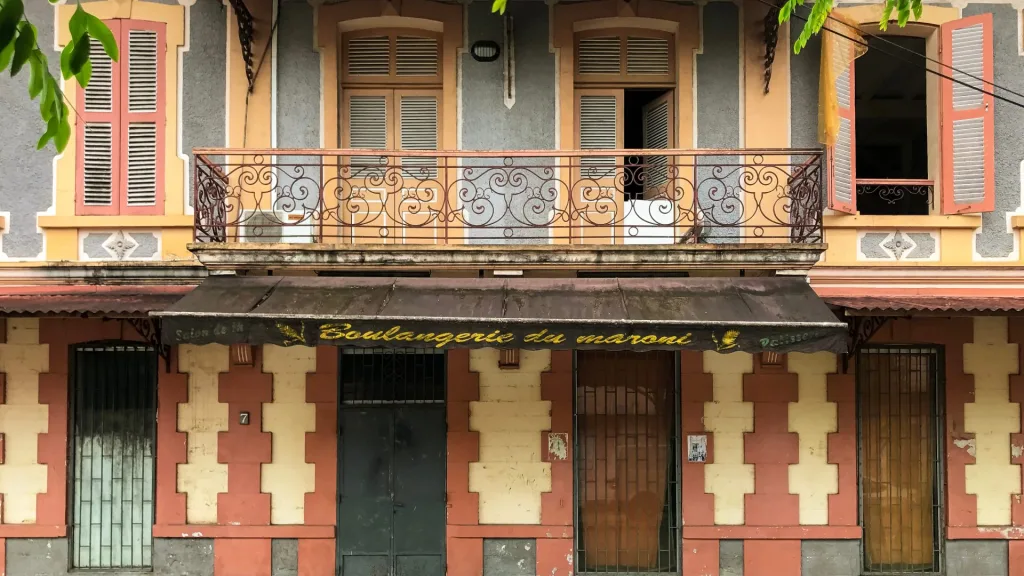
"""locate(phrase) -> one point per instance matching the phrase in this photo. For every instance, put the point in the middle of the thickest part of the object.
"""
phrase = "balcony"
(323, 207)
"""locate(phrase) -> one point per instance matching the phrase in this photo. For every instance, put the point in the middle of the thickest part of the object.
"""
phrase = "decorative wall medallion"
(120, 245)
(898, 244)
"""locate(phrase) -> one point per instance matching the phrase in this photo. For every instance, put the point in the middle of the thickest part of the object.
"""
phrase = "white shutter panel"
(599, 55)
(416, 56)
(367, 128)
(657, 135)
(141, 153)
(647, 56)
(98, 131)
(418, 131)
(598, 117)
(368, 56)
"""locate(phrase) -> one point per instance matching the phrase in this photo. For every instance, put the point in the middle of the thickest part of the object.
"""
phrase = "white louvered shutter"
(418, 131)
(142, 118)
(968, 129)
(599, 56)
(647, 56)
(843, 192)
(657, 135)
(416, 56)
(368, 56)
(367, 129)
(599, 130)
(99, 135)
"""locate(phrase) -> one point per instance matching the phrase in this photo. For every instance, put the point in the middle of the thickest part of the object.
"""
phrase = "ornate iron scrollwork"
(862, 328)
(149, 330)
(771, 40)
(245, 36)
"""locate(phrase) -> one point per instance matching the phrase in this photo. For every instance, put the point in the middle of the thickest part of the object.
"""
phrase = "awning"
(728, 314)
(89, 300)
(897, 305)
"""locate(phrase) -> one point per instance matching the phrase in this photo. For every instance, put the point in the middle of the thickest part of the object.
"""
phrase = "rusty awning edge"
(723, 314)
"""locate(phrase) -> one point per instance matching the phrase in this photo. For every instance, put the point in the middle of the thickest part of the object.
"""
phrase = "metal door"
(391, 508)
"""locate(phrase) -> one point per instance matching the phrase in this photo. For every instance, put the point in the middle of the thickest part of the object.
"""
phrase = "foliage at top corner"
(819, 17)
(19, 49)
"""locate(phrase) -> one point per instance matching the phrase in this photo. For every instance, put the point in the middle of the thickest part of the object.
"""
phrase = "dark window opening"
(377, 376)
(636, 102)
(892, 129)
(627, 478)
(113, 446)
(900, 429)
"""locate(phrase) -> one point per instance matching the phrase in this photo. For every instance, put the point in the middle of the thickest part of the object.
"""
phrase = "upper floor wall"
(535, 96)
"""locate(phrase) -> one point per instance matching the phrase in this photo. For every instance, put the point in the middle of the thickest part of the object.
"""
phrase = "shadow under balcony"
(637, 209)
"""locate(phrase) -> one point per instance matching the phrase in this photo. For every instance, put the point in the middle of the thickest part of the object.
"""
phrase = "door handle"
(398, 505)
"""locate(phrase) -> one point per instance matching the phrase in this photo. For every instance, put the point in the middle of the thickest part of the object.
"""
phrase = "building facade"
(406, 287)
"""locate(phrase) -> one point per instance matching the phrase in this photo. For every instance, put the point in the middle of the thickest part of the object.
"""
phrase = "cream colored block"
(991, 358)
(288, 477)
(510, 418)
(812, 417)
(201, 477)
(727, 418)
(22, 420)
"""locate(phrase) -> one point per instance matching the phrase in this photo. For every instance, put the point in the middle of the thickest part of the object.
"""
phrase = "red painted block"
(700, 557)
(3, 557)
(316, 557)
(241, 557)
(465, 557)
(771, 558)
(555, 556)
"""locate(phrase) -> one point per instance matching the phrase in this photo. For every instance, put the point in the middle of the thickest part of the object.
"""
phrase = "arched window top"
(635, 56)
(391, 56)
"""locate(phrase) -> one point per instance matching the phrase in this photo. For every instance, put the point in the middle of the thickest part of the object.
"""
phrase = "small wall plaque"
(697, 448)
(243, 418)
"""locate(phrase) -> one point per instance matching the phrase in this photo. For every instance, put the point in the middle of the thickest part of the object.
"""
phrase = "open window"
(882, 160)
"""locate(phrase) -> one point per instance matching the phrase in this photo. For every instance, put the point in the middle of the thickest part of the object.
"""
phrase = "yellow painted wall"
(727, 418)
(287, 478)
(510, 417)
(813, 418)
(201, 477)
(992, 418)
(22, 420)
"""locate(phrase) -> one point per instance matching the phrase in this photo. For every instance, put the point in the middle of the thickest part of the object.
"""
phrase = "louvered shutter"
(843, 192)
(599, 121)
(968, 129)
(599, 56)
(368, 56)
(418, 114)
(647, 56)
(367, 116)
(658, 134)
(142, 117)
(98, 135)
(416, 56)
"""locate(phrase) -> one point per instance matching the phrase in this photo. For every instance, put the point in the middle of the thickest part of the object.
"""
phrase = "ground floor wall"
(246, 462)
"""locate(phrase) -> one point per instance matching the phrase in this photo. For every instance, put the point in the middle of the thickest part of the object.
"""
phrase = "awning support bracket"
(862, 329)
(149, 330)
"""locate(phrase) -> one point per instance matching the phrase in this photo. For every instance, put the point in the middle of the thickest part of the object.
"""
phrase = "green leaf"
(37, 77)
(23, 46)
(65, 61)
(63, 134)
(10, 16)
(6, 54)
(98, 31)
(51, 132)
(79, 55)
(78, 25)
(84, 75)
(499, 6)
(49, 96)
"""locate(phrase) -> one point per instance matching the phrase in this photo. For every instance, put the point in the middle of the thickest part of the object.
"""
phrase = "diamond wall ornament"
(899, 244)
(120, 245)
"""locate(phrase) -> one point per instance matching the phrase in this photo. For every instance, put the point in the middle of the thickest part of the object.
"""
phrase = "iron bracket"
(771, 40)
(149, 330)
(862, 328)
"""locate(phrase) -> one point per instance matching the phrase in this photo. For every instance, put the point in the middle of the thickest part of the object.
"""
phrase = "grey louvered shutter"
(658, 135)
(368, 56)
(418, 131)
(598, 130)
(416, 56)
(599, 56)
(647, 56)
(968, 129)
(843, 192)
(367, 129)
(142, 118)
(99, 134)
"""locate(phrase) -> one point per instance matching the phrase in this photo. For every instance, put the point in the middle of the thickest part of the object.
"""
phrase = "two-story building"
(411, 288)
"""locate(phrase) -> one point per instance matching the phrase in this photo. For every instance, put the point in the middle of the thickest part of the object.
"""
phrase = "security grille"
(627, 475)
(900, 422)
(113, 429)
(377, 376)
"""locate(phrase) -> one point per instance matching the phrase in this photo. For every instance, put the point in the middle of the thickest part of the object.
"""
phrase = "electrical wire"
(910, 62)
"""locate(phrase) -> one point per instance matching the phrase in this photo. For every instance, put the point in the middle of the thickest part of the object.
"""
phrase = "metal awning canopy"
(777, 314)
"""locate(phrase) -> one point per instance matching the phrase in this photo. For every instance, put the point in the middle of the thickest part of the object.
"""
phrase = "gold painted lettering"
(536, 336)
(506, 338)
(463, 337)
(649, 339)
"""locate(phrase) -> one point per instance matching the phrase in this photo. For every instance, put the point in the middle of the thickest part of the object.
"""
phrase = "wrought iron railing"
(894, 197)
(506, 197)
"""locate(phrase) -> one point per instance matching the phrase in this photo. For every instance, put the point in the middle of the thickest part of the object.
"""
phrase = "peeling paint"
(1016, 450)
(965, 444)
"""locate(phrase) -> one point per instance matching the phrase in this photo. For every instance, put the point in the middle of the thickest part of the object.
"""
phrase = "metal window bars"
(385, 377)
